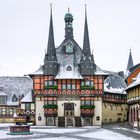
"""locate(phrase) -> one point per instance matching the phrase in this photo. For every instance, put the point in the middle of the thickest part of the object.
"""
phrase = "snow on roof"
(65, 74)
(135, 83)
(99, 71)
(17, 86)
(114, 90)
(10, 103)
(38, 72)
(27, 98)
(2, 93)
(131, 70)
(114, 84)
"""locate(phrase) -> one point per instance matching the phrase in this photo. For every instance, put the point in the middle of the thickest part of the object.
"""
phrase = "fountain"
(19, 128)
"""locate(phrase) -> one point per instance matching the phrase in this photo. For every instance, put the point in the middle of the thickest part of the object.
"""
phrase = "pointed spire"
(51, 45)
(130, 61)
(86, 43)
(92, 57)
(81, 59)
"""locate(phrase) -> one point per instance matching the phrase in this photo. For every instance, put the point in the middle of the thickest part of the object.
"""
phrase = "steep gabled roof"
(37, 72)
(17, 86)
(133, 69)
(51, 53)
(135, 83)
(114, 83)
(86, 42)
(27, 98)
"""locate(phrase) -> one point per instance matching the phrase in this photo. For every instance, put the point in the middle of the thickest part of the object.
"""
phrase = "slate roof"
(2, 93)
(15, 85)
(73, 59)
(114, 83)
(64, 74)
(86, 42)
(51, 52)
(37, 72)
(132, 69)
(99, 71)
(28, 98)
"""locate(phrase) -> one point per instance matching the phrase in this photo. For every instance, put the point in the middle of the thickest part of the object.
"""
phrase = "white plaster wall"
(61, 107)
(22, 105)
(97, 112)
(32, 106)
(40, 110)
(77, 108)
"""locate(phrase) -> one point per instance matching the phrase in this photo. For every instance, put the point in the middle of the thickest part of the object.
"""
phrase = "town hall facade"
(68, 88)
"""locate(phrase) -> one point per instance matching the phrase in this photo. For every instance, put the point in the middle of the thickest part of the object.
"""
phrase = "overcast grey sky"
(114, 27)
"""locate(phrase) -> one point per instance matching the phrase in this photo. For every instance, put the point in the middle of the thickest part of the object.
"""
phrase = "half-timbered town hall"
(68, 88)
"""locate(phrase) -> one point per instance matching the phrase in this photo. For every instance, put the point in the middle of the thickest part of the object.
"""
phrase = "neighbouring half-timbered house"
(68, 88)
(133, 92)
(12, 90)
(115, 106)
(133, 100)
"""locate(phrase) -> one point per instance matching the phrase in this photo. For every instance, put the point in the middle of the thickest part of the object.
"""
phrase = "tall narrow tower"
(50, 61)
(130, 61)
(68, 25)
(87, 66)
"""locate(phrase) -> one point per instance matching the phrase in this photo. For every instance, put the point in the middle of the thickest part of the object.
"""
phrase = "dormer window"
(69, 48)
(69, 68)
(14, 98)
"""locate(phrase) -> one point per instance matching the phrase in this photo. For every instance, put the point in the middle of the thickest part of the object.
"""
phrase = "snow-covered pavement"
(111, 132)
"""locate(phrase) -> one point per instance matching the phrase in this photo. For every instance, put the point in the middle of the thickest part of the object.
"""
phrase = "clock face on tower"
(69, 48)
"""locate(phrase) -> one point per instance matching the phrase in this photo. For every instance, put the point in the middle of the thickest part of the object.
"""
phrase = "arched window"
(14, 98)
(69, 68)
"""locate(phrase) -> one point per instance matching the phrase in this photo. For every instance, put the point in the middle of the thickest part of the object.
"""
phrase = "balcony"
(87, 112)
(50, 106)
(50, 112)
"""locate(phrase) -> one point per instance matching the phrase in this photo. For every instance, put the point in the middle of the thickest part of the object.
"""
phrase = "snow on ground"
(58, 138)
(106, 135)
(3, 135)
(58, 131)
(54, 133)
(135, 131)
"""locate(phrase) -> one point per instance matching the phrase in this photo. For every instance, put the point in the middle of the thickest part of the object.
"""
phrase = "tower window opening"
(69, 68)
